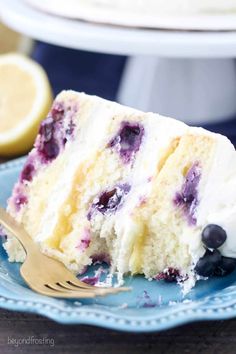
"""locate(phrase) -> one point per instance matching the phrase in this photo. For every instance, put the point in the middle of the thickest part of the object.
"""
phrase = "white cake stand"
(187, 75)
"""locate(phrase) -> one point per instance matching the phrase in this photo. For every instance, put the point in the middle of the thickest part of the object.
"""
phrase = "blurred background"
(101, 74)
(97, 74)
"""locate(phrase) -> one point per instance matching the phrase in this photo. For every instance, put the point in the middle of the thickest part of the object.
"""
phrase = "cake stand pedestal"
(188, 75)
(194, 90)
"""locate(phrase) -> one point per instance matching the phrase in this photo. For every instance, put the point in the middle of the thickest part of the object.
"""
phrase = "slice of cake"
(144, 193)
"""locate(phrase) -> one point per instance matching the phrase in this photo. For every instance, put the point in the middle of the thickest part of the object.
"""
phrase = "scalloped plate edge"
(102, 318)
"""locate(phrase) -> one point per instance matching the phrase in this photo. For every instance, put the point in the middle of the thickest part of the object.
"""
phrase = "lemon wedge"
(25, 99)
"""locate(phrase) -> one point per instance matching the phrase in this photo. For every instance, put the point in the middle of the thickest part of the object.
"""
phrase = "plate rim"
(218, 306)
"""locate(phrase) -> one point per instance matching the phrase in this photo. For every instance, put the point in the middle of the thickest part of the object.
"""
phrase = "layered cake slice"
(144, 193)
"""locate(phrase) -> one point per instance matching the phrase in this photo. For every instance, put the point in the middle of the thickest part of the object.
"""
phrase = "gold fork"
(46, 275)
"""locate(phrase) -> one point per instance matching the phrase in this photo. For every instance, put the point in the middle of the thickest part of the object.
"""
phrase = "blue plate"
(150, 306)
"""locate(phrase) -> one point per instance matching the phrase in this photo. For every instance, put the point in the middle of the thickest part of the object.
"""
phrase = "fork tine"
(54, 290)
(59, 286)
(74, 281)
(95, 291)
(54, 287)
(57, 290)
(66, 285)
(49, 291)
(78, 284)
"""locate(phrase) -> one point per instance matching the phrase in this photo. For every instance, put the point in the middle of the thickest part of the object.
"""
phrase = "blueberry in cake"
(144, 193)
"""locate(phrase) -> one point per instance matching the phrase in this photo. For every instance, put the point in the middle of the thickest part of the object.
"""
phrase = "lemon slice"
(25, 99)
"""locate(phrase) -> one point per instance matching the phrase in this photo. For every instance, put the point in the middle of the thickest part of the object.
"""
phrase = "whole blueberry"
(227, 265)
(207, 265)
(213, 236)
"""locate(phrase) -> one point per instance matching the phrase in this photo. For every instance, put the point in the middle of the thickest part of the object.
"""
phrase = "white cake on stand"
(177, 14)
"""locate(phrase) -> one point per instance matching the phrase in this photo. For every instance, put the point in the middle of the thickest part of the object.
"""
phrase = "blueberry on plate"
(213, 236)
(207, 265)
(227, 265)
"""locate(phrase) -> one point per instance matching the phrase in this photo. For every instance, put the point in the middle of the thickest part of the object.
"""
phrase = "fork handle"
(17, 230)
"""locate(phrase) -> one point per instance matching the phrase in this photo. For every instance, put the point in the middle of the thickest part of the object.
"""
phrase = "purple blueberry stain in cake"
(128, 140)
(187, 198)
(57, 111)
(101, 258)
(84, 242)
(46, 129)
(27, 173)
(169, 275)
(109, 201)
(54, 132)
(18, 198)
(19, 201)
(142, 201)
(48, 146)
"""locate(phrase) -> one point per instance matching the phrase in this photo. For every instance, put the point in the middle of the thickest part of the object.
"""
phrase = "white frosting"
(177, 7)
(171, 14)
(76, 8)
(218, 196)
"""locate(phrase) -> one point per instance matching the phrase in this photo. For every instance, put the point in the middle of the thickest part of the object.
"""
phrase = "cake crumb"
(146, 301)
(123, 306)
